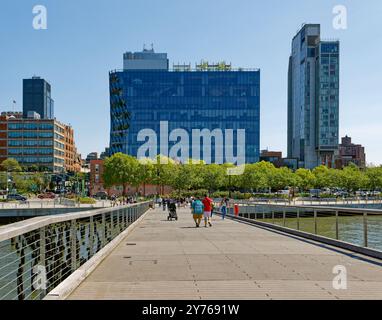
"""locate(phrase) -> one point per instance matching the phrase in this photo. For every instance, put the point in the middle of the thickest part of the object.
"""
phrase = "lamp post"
(229, 186)
(7, 178)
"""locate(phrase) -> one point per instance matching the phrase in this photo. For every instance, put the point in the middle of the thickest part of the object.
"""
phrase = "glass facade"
(142, 99)
(328, 101)
(37, 98)
(313, 98)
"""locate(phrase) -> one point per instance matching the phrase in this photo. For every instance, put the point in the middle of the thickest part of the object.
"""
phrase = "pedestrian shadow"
(187, 227)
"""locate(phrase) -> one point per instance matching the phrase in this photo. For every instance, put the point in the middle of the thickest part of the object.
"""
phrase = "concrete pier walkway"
(164, 259)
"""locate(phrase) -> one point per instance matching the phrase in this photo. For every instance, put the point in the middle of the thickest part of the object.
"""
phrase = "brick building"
(97, 185)
(44, 143)
(350, 153)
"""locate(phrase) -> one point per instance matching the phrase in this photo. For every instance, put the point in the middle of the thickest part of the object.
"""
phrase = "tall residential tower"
(313, 98)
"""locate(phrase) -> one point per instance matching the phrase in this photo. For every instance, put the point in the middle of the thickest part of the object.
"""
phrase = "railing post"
(73, 244)
(124, 215)
(284, 217)
(315, 221)
(298, 219)
(273, 216)
(365, 242)
(337, 233)
(91, 237)
(103, 228)
(43, 255)
(118, 227)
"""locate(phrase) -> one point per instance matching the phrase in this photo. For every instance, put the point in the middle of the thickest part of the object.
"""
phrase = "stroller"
(172, 211)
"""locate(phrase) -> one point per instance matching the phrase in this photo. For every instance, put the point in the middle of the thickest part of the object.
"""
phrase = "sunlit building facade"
(209, 96)
(313, 98)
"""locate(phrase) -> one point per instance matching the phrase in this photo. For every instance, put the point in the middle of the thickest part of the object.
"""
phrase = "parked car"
(47, 195)
(315, 193)
(16, 196)
(101, 195)
(341, 194)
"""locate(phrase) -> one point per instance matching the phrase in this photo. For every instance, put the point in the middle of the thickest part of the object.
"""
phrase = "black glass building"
(206, 98)
(37, 98)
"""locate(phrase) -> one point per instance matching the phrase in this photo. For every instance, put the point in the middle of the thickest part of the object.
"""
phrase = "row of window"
(59, 137)
(30, 126)
(195, 91)
(34, 159)
(29, 134)
(14, 151)
(59, 129)
(137, 78)
(59, 145)
(59, 153)
(30, 143)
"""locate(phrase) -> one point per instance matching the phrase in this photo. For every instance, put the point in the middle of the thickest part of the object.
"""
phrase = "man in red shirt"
(207, 202)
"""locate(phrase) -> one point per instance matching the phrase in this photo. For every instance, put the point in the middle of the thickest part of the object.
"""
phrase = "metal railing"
(360, 227)
(346, 201)
(312, 201)
(37, 254)
(47, 204)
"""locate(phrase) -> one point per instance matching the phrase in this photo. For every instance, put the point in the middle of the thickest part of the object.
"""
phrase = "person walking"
(223, 207)
(164, 201)
(159, 201)
(207, 202)
(197, 209)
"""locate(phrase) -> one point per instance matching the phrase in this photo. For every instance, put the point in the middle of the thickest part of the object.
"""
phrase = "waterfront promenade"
(163, 259)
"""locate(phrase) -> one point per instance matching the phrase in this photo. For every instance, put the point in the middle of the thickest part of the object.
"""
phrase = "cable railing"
(36, 255)
(357, 226)
(312, 201)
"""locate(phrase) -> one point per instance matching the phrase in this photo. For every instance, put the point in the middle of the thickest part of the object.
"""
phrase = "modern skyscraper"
(313, 98)
(37, 98)
(147, 96)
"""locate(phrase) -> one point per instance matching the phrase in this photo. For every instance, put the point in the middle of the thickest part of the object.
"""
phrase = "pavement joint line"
(223, 247)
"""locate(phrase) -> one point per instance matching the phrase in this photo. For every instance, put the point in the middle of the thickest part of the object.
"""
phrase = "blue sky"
(86, 38)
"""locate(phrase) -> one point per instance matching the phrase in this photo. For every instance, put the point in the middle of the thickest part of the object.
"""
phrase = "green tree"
(352, 178)
(374, 176)
(254, 178)
(213, 177)
(282, 178)
(182, 177)
(196, 169)
(322, 176)
(11, 165)
(145, 173)
(40, 181)
(163, 171)
(306, 180)
(120, 169)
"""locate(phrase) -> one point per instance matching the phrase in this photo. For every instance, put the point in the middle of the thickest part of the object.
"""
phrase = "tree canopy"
(124, 170)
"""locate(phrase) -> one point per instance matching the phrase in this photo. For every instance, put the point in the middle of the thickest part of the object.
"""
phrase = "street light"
(229, 186)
